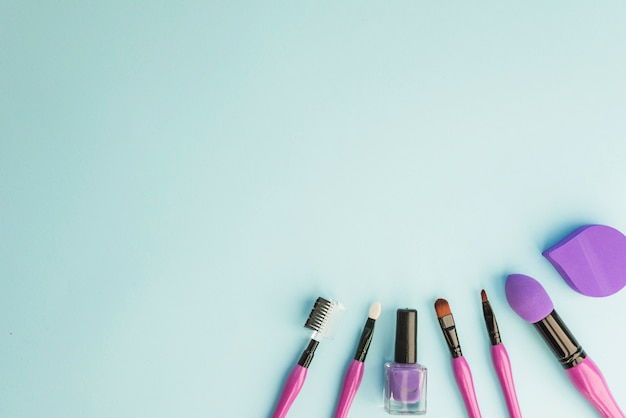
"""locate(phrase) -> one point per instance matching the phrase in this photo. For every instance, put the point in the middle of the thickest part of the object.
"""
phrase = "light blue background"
(180, 180)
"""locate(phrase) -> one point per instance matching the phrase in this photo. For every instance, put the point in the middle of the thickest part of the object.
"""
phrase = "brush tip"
(483, 296)
(527, 297)
(442, 308)
(324, 317)
(374, 312)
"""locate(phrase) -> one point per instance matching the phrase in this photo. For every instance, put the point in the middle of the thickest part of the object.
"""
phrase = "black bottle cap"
(406, 336)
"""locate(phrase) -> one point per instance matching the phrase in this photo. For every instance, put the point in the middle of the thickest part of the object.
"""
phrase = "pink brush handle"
(503, 369)
(587, 378)
(290, 391)
(351, 383)
(464, 380)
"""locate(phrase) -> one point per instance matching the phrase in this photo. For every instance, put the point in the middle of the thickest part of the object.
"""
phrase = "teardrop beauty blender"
(531, 302)
(592, 260)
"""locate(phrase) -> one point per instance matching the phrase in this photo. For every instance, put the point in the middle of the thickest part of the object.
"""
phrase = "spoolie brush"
(321, 320)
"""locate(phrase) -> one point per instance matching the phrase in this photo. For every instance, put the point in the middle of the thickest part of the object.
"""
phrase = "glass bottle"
(405, 379)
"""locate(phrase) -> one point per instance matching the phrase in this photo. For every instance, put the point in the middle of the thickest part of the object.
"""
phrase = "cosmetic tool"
(461, 369)
(592, 260)
(354, 374)
(322, 318)
(500, 359)
(531, 302)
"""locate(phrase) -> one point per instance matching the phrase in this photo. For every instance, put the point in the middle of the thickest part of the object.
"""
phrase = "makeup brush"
(500, 359)
(462, 372)
(322, 318)
(354, 374)
(531, 302)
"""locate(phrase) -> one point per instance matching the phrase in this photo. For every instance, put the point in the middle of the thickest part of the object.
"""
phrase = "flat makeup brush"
(462, 372)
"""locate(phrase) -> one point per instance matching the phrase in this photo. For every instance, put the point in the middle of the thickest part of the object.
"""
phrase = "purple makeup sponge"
(592, 260)
(527, 298)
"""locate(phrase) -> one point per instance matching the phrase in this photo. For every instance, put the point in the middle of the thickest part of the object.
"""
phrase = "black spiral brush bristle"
(319, 314)
(321, 320)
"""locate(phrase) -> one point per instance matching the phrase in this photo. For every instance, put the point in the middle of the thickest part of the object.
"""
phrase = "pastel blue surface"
(180, 180)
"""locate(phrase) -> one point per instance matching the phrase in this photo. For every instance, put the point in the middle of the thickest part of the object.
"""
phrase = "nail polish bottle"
(405, 379)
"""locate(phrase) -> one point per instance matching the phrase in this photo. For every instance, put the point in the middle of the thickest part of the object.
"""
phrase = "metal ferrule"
(492, 324)
(561, 341)
(365, 341)
(307, 354)
(449, 332)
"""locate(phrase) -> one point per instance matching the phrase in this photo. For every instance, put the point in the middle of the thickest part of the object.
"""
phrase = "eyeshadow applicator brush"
(354, 374)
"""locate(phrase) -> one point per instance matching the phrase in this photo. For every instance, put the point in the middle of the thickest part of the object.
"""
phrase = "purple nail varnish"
(405, 379)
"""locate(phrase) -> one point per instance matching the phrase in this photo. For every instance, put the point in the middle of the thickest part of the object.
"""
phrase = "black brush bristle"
(319, 314)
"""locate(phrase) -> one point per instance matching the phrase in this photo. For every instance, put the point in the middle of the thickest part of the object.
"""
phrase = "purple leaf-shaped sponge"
(527, 298)
(592, 260)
